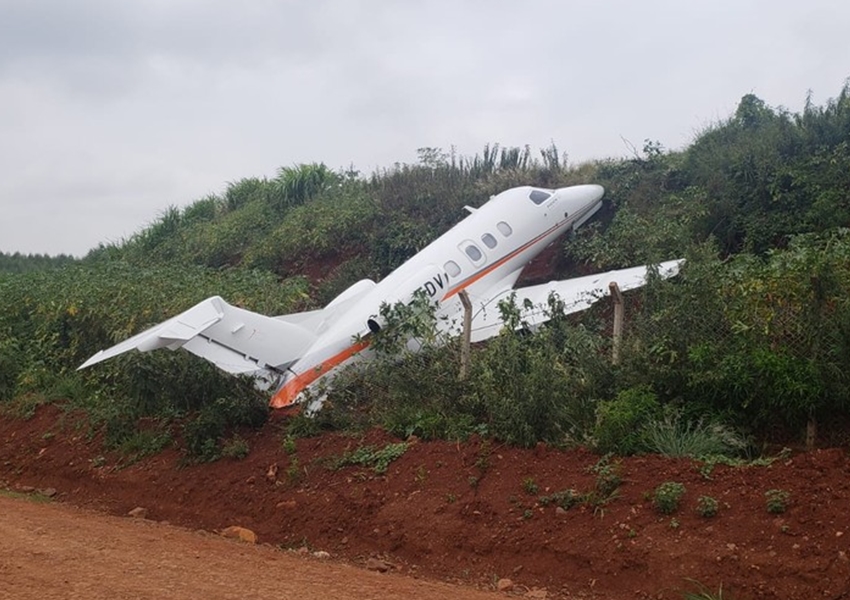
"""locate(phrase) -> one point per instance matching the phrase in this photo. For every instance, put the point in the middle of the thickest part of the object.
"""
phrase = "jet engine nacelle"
(431, 282)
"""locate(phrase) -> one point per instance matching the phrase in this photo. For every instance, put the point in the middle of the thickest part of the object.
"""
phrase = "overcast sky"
(110, 111)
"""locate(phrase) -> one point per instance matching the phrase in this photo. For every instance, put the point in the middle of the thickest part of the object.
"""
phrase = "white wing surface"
(577, 294)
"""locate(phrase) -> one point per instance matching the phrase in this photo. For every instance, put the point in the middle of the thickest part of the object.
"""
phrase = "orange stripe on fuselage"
(286, 395)
(487, 270)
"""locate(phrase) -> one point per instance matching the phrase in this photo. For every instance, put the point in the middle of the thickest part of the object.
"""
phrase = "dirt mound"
(477, 512)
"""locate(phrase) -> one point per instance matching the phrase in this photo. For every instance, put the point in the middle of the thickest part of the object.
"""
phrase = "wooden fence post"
(619, 316)
(467, 334)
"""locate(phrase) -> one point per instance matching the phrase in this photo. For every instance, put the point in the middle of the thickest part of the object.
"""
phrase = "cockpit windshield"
(539, 196)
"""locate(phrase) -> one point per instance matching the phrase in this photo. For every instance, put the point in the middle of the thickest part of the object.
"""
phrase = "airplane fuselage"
(484, 254)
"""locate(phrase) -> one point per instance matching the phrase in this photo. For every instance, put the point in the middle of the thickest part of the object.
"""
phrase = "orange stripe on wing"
(286, 395)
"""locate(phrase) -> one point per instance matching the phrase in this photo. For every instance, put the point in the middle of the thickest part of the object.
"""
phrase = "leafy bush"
(707, 506)
(667, 497)
(620, 421)
(203, 434)
(777, 501)
(378, 459)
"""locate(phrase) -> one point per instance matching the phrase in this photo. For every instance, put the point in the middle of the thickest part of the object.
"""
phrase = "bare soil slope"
(472, 512)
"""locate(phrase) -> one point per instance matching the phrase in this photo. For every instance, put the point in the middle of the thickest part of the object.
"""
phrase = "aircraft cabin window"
(539, 196)
(452, 268)
(504, 228)
(489, 240)
(474, 253)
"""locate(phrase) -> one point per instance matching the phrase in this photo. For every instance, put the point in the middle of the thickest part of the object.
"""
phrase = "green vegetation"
(707, 506)
(667, 496)
(378, 459)
(26, 263)
(777, 501)
(704, 593)
(750, 342)
(566, 499)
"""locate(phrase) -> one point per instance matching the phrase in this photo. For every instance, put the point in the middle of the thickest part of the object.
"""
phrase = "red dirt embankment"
(471, 513)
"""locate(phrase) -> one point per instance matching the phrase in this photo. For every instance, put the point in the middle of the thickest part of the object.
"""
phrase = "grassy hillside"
(755, 334)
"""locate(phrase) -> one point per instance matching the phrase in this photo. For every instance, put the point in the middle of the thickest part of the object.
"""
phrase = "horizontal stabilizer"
(234, 339)
(577, 294)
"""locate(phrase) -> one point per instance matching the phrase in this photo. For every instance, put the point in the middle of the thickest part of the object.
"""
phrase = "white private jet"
(484, 254)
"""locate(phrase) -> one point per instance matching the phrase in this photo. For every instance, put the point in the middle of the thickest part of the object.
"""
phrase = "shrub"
(707, 506)
(619, 421)
(667, 496)
(777, 501)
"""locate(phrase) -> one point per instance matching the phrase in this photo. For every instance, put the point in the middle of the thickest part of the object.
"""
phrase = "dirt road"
(57, 551)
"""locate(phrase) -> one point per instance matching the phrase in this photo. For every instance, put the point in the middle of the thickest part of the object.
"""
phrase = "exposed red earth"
(466, 513)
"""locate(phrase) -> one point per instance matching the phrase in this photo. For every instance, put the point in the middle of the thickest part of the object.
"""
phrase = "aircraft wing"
(577, 294)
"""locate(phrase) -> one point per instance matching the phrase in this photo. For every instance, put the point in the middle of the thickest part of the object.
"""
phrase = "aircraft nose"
(589, 193)
(581, 202)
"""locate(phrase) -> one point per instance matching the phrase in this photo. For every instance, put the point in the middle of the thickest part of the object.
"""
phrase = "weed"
(607, 478)
(707, 506)
(482, 463)
(142, 443)
(527, 514)
(378, 459)
(451, 498)
(566, 499)
(530, 486)
(421, 474)
(777, 501)
(288, 444)
(703, 593)
(473, 481)
(235, 448)
(667, 496)
(674, 523)
(676, 436)
(293, 471)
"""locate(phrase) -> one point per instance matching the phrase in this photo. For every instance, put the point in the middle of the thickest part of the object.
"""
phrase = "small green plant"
(482, 462)
(674, 523)
(703, 593)
(566, 499)
(378, 459)
(777, 501)
(235, 448)
(531, 488)
(288, 444)
(473, 481)
(451, 498)
(667, 496)
(707, 506)
(608, 478)
(527, 514)
(293, 471)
